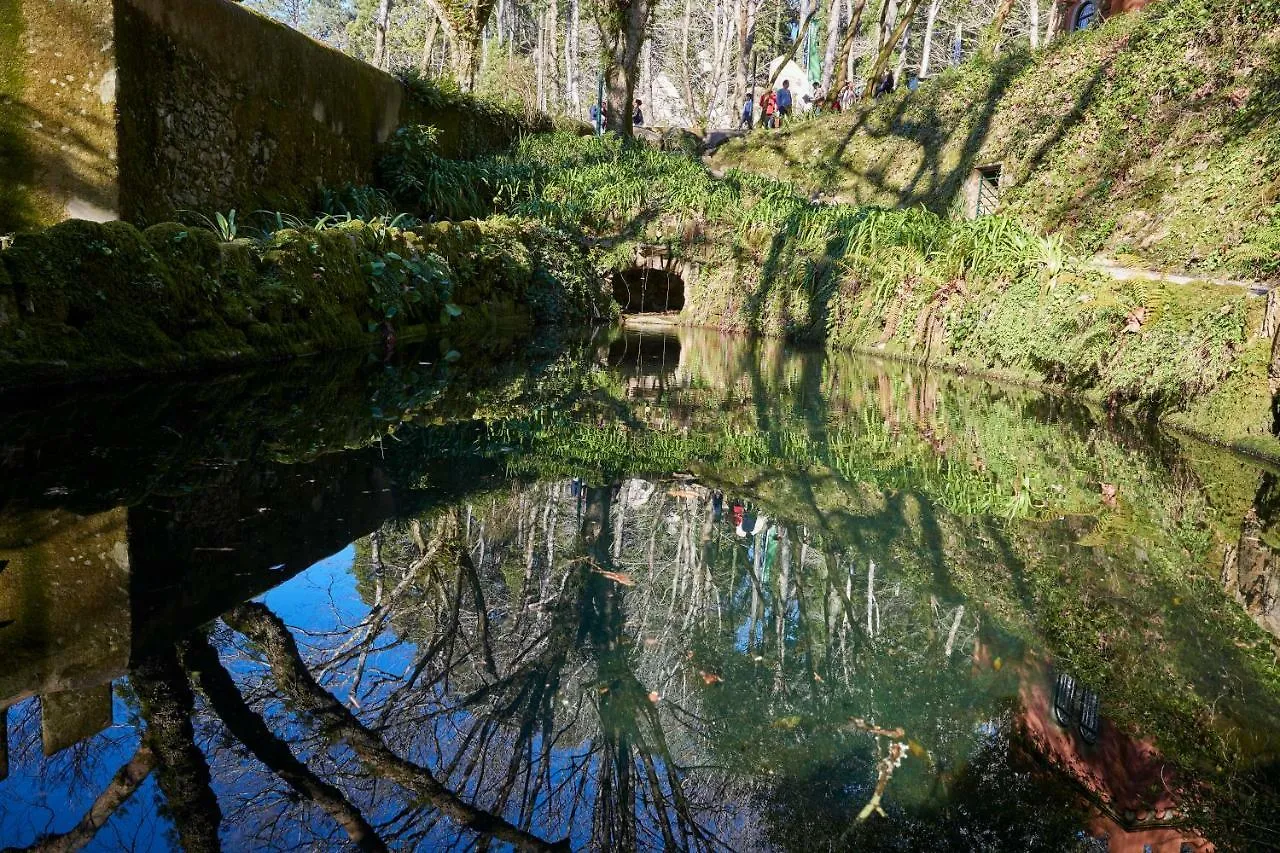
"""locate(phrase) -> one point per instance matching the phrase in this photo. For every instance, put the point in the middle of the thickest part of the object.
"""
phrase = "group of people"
(776, 107)
(600, 115)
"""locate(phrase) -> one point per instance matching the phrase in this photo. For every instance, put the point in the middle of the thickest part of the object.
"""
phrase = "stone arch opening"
(648, 290)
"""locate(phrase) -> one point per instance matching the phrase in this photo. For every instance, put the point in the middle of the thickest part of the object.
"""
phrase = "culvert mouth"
(642, 290)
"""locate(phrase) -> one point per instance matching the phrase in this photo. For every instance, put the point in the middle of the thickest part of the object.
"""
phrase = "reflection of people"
(717, 504)
(737, 510)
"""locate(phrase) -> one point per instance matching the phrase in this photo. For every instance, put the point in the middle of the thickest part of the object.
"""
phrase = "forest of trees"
(690, 63)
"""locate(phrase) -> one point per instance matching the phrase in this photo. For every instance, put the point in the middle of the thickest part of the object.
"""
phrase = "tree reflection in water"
(549, 632)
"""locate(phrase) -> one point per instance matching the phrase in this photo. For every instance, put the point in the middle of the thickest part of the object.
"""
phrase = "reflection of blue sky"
(50, 795)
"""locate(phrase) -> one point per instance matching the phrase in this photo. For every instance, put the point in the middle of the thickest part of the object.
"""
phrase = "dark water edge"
(502, 596)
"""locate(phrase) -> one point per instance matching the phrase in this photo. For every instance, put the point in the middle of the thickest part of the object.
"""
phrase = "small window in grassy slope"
(988, 195)
(1085, 14)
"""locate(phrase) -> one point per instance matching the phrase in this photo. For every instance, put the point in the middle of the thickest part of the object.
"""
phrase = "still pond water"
(628, 592)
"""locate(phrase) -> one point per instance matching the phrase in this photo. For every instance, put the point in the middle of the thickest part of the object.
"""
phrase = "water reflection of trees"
(501, 687)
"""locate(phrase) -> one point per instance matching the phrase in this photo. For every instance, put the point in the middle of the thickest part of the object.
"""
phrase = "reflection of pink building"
(1135, 793)
(1081, 14)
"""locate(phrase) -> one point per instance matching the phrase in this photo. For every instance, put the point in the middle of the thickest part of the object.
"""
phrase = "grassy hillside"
(1153, 139)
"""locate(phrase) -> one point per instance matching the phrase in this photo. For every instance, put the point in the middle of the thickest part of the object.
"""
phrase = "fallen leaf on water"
(618, 577)
(914, 747)
(817, 678)
(653, 696)
(710, 677)
(786, 724)
(997, 664)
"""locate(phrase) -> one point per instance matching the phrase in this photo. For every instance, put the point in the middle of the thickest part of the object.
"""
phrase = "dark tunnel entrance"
(648, 291)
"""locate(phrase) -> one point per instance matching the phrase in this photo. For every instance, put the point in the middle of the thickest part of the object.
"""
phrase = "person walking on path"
(748, 107)
(637, 117)
(768, 106)
(886, 85)
(784, 102)
(846, 97)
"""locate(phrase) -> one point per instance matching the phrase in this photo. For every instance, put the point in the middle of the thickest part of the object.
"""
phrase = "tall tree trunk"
(553, 51)
(540, 63)
(686, 77)
(1033, 27)
(833, 44)
(746, 14)
(464, 22)
(182, 771)
(572, 93)
(791, 54)
(927, 48)
(624, 26)
(844, 68)
(380, 33)
(1054, 22)
(995, 30)
(429, 45)
(886, 50)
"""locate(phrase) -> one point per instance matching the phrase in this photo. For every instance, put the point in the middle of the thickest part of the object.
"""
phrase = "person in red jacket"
(769, 107)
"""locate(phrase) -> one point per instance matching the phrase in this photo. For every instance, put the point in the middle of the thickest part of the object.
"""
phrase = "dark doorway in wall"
(648, 291)
(988, 196)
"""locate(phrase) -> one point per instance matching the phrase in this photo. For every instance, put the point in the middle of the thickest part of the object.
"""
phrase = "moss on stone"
(94, 299)
(15, 161)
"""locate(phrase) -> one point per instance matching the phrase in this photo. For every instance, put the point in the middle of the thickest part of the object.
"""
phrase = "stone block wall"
(57, 112)
(137, 109)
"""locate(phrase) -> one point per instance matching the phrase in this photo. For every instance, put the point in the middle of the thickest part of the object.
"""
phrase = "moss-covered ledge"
(86, 300)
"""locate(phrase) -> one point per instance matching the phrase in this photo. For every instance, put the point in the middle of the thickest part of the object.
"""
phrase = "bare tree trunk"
(464, 22)
(1033, 27)
(746, 14)
(624, 26)
(686, 78)
(886, 49)
(182, 771)
(336, 721)
(791, 54)
(833, 43)
(540, 63)
(995, 30)
(927, 48)
(844, 69)
(380, 33)
(572, 93)
(429, 45)
(553, 52)
(1054, 22)
(248, 727)
(115, 795)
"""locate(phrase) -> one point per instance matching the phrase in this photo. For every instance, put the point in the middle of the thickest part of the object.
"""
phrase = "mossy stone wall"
(85, 300)
(137, 109)
(57, 112)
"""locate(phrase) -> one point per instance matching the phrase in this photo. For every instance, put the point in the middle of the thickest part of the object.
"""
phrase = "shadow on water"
(671, 591)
